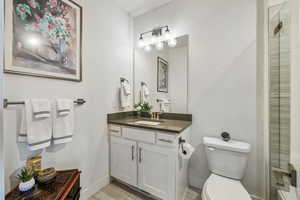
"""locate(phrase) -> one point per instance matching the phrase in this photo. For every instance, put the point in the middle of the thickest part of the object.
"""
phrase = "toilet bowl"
(220, 188)
(227, 161)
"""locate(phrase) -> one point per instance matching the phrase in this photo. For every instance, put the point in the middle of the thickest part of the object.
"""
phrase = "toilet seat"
(221, 188)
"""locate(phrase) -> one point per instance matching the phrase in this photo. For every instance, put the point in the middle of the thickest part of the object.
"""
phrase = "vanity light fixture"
(172, 42)
(159, 36)
(168, 34)
(141, 42)
(159, 45)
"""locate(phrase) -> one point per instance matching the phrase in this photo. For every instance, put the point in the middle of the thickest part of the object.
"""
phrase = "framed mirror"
(161, 77)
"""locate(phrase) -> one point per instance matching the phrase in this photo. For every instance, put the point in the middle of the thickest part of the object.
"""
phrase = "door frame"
(1, 99)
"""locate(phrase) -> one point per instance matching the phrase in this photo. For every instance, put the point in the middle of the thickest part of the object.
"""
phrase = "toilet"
(227, 162)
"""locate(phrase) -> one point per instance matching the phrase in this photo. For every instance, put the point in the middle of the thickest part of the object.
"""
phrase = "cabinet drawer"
(115, 130)
(166, 139)
(138, 134)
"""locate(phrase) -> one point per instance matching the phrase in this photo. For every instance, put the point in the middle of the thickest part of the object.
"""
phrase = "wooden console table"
(65, 187)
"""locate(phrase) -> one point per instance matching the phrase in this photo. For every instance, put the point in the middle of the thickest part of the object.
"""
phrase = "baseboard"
(94, 187)
(254, 197)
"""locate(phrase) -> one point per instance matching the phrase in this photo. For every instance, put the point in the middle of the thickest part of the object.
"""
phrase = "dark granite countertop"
(175, 123)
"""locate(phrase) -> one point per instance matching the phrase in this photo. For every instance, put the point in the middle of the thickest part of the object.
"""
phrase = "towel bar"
(6, 103)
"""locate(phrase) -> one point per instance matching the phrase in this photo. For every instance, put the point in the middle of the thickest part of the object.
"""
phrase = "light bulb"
(167, 35)
(159, 46)
(148, 48)
(141, 42)
(172, 42)
(154, 39)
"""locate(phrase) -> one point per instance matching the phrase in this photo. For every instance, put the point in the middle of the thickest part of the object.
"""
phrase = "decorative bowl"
(46, 176)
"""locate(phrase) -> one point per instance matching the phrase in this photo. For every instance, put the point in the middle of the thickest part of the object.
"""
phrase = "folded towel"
(41, 108)
(22, 136)
(126, 87)
(63, 106)
(144, 94)
(63, 125)
(146, 90)
(36, 132)
(124, 98)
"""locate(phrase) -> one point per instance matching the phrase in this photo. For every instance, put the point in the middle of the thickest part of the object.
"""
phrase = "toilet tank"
(227, 159)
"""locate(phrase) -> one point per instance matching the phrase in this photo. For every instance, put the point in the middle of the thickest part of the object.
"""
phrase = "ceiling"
(139, 7)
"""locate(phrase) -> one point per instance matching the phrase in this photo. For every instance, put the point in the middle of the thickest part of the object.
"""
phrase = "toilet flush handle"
(211, 149)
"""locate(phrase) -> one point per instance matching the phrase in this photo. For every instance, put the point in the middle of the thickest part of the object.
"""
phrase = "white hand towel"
(124, 99)
(38, 130)
(22, 136)
(146, 91)
(144, 94)
(41, 108)
(63, 125)
(126, 88)
(63, 106)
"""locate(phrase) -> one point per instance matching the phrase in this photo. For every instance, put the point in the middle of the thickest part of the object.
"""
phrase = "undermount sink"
(150, 123)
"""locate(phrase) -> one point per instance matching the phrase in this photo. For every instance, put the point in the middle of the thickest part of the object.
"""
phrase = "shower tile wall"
(279, 101)
(284, 90)
(279, 89)
(274, 60)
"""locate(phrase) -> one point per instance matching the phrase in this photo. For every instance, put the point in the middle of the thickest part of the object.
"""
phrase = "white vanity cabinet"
(149, 161)
(156, 170)
(123, 160)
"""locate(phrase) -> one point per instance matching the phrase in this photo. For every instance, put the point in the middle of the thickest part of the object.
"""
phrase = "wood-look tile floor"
(116, 191)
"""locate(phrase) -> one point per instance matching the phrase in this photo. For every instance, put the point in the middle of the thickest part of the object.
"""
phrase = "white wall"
(262, 99)
(1, 105)
(222, 71)
(107, 53)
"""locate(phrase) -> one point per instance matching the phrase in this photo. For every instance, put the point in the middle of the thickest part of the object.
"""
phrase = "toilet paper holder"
(181, 142)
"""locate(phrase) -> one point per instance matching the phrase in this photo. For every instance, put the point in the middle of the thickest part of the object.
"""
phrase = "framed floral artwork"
(162, 75)
(44, 38)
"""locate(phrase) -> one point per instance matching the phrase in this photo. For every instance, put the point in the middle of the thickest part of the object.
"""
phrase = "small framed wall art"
(162, 75)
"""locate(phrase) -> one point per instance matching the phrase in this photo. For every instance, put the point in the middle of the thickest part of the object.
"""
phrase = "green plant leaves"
(25, 175)
(146, 107)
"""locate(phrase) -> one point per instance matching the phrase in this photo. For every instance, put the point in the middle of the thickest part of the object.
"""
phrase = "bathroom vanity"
(147, 157)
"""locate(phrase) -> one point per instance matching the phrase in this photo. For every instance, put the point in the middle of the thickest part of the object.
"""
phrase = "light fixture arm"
(155, 31)
(159, 36)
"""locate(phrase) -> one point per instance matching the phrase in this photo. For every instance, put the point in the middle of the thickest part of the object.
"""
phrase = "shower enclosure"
(279, 98)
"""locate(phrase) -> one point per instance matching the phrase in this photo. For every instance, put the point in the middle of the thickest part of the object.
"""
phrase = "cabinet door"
(157, 170)
(123, 160)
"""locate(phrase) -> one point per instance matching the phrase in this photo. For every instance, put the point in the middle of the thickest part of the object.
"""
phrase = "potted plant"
(143, 108)
(27, 180)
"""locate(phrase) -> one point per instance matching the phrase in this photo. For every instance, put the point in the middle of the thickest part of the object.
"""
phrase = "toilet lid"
(221, 188)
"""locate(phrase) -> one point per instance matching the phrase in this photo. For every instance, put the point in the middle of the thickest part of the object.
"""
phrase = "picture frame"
(44, 39)
(162, 75)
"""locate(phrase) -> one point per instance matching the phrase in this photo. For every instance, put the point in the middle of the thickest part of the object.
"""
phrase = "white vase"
(23, 187)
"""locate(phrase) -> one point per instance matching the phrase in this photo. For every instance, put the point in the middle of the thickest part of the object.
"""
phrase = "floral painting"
(44, 38)
(162, 75)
